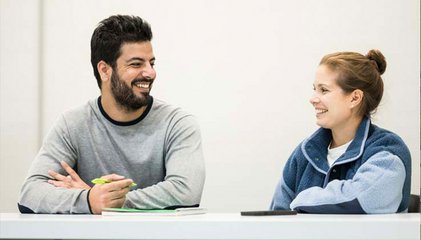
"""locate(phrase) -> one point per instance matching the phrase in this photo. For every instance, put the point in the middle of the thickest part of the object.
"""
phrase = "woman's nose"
(314, 99)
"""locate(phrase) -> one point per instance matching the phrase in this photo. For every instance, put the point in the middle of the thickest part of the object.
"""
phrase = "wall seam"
(40, 72)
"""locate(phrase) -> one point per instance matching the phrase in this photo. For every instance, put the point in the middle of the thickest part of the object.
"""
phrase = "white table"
(210, 226)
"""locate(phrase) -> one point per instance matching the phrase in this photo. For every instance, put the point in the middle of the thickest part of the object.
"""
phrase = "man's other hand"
(70, 181)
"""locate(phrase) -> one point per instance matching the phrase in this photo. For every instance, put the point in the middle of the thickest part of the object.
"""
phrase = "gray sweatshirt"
(161, 151)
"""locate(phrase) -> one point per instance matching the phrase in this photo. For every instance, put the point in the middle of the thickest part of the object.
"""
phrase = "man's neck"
(117, 112)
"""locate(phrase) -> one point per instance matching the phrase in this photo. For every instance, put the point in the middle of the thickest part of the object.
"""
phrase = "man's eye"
(135, 64)
(323, 90)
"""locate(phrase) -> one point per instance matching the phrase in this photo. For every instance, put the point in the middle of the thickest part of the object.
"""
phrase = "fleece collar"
(315, 147)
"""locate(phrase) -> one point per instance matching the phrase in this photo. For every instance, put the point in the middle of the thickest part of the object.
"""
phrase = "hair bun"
(376, 56)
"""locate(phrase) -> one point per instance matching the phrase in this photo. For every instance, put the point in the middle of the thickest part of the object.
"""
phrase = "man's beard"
(125, 96)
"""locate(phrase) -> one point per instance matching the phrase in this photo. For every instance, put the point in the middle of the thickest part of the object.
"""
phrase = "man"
(124, 136)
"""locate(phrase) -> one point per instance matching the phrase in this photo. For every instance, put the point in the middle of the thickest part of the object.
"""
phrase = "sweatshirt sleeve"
(185, 170)
(284, 193)
(37, 195)
(282, 197)
(375, 188)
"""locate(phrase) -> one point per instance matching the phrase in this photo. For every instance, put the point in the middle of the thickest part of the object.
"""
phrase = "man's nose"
(148, 72)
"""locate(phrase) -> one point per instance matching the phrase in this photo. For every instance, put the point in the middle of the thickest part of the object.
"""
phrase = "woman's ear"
(356, 98)
(104, 70)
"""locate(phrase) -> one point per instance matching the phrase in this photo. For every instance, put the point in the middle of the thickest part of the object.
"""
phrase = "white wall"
(244, 68)
(19, 95)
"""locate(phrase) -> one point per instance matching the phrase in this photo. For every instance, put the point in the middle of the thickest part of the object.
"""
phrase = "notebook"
(152, 212)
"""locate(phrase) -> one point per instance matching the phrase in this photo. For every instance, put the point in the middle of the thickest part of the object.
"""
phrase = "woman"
(349, 165)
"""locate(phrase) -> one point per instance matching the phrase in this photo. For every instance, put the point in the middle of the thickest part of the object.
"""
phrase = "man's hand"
(70, 181)
(111, 194)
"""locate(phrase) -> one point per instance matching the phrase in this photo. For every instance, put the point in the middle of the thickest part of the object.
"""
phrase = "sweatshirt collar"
(133, 122)
(315, 147)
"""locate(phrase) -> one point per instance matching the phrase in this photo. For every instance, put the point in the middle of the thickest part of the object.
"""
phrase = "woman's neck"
(345, 133)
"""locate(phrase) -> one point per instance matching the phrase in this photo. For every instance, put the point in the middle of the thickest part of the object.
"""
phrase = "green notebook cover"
(152, 212)
(138, 210)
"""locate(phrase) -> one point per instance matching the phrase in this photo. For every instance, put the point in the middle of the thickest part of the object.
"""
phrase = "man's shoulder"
(81, 112)
(161, 107)
(171, 115)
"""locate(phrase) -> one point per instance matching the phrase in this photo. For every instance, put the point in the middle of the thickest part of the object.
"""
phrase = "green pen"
(103, 181)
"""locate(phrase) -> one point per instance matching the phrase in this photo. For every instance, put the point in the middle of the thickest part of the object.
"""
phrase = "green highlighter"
(103, 181)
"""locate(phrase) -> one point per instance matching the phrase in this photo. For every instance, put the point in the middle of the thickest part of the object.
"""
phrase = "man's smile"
(143, 85)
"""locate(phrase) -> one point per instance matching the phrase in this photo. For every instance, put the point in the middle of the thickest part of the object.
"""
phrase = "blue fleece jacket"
(372, 176)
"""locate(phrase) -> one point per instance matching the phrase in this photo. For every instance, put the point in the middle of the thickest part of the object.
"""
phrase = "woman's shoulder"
(381, 136)
(381, 139)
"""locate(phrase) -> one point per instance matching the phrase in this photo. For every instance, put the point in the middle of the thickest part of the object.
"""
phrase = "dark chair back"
(414, 204)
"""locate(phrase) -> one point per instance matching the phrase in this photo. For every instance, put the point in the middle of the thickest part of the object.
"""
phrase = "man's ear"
(356, 98)
(104, 71)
